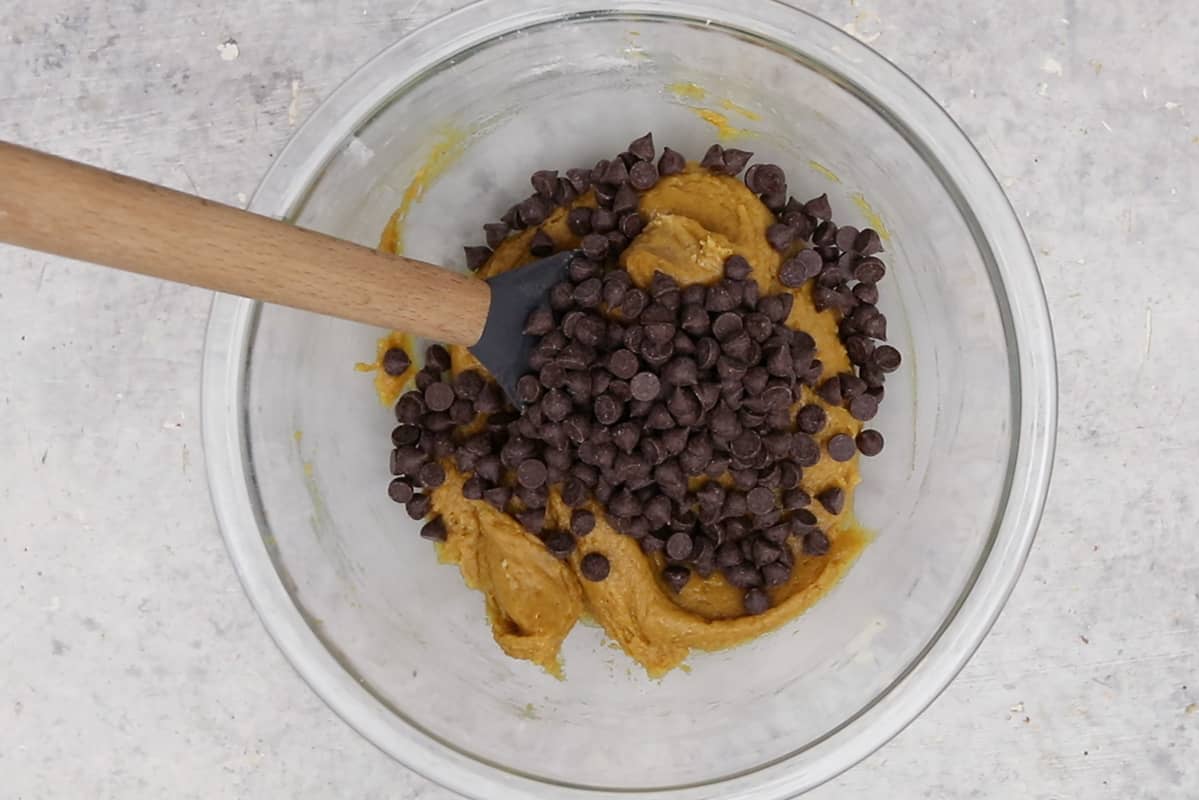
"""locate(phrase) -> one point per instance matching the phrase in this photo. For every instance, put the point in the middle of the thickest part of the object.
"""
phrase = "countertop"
(131, 663)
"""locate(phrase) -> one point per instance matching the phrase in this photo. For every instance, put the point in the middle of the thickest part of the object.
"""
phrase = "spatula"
(74, 210)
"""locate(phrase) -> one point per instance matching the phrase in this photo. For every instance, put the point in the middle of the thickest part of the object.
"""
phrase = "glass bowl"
(449, 123)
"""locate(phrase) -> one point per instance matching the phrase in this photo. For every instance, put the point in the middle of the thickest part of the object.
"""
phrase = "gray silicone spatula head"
(504, 348)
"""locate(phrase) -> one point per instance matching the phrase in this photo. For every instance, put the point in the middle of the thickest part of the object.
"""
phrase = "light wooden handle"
(73, 210)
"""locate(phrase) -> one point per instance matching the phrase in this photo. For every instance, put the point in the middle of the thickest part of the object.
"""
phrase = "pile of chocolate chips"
(636, 395)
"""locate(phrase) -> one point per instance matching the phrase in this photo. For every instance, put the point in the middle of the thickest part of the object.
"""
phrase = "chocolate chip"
(818, 207)
(811, 418)
(846, 236)
(396, 361)
(886, 358)
(625, 199)
(735, 160)
(766, 179)
(815, 543)
(419, 506)
(476, 257)
(588, 293)
(775, 574)
(830, 391)
(870, 442)
(531, 474)
(400, 490)
(541, 244)
(559, 543)
(533, 211)
(676, 576)
(595, 567)
(875, 326)
(757, 602)
(868, 242)
(851, 386)
(804, 450)
(759, 500)
(671, 162)
(743, 576)
(713, 159)
(498, 496)
(434, 530)
(864, 407)
(840, 447)
(765, 552)
(866, 293)
(582, 522)
(431, 475)
(832, 499)
(607, 409)
(678, 546)
(643, 176)
(595, 246)
(869, 270)
(439, 396)
(645, 386)
(780, 236)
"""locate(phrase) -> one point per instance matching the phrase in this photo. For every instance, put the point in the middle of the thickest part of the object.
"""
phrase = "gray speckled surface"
(131, 664)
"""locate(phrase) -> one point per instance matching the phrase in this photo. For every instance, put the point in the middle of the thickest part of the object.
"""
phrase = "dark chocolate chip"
(676, 576)
(678, 546)
(643, 175)
(643, 147)
(780, 236)
(713, 159)
(851, 386)
(607, 409)
(830, 391)
(886, 358)
(545, 181)
(868, 242)
(766, 179)
(841, 447)
(595, 246)
(759, 500)
(595, 566)
(735, 160)
(419, 506)
(434, 530)
(870, 442)
(866, 293)
(396, 361)
(625, 199)
(804, 450)
(400, 490)
(818, 207)
(864, 407)
(671, 162)
(815, 543)
(869, 270)
(560, 544)
(645, 386)
(811, 418)
(832, 499)
(582, 522)
(531, 474)
(476, 257)
(743, 575)
(533, 210)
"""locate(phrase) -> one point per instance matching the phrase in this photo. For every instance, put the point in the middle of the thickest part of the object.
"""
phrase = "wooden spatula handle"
(73, 210)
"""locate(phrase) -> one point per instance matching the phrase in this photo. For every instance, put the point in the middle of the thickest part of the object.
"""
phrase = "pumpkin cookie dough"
(684, 468)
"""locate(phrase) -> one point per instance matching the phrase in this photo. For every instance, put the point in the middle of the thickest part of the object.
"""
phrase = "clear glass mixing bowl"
(297, 444)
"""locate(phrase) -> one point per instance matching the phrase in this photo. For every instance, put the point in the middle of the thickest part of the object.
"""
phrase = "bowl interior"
(457, 146)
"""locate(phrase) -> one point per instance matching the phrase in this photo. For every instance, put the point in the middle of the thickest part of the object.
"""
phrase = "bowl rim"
(963, 173)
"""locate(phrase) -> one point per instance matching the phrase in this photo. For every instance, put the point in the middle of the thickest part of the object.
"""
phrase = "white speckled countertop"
(131, 664)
